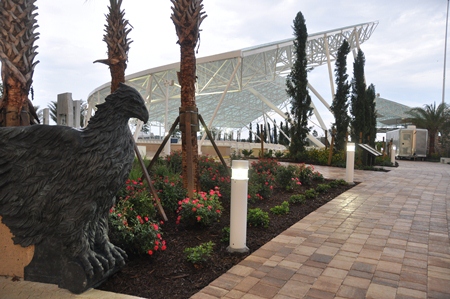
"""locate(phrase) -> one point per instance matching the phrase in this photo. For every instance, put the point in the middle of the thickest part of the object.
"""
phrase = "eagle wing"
(33, 161)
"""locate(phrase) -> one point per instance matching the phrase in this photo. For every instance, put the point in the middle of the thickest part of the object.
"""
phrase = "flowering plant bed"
(170, 274)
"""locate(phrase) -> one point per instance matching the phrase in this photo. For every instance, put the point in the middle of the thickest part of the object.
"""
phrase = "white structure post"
(350, 165)
(238, 213)
(393, 149)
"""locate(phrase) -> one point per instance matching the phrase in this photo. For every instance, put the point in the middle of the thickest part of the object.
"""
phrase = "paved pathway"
(388, 237)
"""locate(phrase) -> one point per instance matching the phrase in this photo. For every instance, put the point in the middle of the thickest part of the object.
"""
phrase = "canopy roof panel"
(235, 88)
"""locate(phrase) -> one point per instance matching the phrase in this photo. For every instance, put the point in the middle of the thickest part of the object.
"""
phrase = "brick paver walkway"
(388, 237)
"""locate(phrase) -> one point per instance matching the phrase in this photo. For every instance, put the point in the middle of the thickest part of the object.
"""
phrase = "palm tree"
(431, 118)
(187, 16)
(17, 53)
(118, 43)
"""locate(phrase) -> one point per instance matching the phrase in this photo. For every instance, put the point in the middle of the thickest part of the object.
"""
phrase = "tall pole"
(445, 56)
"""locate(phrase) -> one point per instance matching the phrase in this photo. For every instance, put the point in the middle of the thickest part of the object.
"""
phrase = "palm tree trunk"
(17, 99)
(189, 119)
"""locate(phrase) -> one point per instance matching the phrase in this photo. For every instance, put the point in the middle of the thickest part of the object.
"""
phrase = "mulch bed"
(169, 275)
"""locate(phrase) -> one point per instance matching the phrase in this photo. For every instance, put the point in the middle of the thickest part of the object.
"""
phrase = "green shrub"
(214, 175)
(200, 253)
(311, 193)
(132, 221)
(257, 217)
(247, 153)
(279, 154)
(281, 209)
(297, 198)
(170, 189)
(262, 179)
(306, 174)
(287, 177)
(225, 234)
(174, 162)
(322, 188)
(203, 209)
(342, 182)
(334, 184)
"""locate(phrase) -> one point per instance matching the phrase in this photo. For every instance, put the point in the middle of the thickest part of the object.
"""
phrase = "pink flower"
(199, 218)
(156, 248)
(158, 236)
(146, 219)
(163, 247)
(194, 209)
(155, 226)
(150, 252)
(218, 211)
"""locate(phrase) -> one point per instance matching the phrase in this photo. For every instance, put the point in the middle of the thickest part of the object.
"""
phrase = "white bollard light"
(238, 213)
(350, 165)
(393, 149)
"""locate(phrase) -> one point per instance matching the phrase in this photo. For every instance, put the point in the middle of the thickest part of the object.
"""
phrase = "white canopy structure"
(235, 88)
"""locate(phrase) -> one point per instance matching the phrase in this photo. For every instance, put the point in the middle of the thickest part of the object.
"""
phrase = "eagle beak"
(143, 115)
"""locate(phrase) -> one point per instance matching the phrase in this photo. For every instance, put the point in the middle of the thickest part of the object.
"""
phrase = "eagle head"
(130, 102)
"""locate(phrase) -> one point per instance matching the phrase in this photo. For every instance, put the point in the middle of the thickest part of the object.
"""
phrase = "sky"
(404, 56)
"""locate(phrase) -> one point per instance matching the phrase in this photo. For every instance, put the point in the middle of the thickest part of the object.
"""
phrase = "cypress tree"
(250, 134)
(258, 133)
(358, 99)
(371, 115)
(296, 83)
(275, 133)
(339, 106)
(280, 135)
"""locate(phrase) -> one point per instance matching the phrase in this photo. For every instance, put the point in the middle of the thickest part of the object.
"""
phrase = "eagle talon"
(114, 255)
(93, 263)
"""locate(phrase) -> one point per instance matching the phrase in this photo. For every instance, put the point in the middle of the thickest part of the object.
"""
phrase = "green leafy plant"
(204, 208)
(225, 234)
(322, 188)
(262, 178)
(214, 175)
(311, 193)
(257, 217)
(247, 153)
(281, 209)
(297, 198)
(200, 253)
(287, 177)
(169, 187)
(132, 221)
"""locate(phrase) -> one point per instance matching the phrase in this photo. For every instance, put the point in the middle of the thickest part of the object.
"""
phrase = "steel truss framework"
(238, 87)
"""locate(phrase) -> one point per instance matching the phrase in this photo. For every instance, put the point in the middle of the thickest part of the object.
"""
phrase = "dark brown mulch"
(170, 275)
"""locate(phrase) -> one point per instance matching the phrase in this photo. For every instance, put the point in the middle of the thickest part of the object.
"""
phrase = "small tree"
(339, 106)
(433, 118)
(275, 132)
(358, 99)
(297, 83)
(250, 133)
(371, 116)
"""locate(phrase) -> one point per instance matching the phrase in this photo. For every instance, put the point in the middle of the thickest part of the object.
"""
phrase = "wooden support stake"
(149, 182)
(208, 133)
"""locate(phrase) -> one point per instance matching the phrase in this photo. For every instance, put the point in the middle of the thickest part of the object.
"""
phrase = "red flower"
(150, 252)
(199, 218)
(163, 247)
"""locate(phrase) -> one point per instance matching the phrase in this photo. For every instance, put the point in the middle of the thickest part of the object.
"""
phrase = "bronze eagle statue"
(60, 183)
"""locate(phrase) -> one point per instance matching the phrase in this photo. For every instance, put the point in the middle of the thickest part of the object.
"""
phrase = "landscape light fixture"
(238, 213)
(350, 165)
